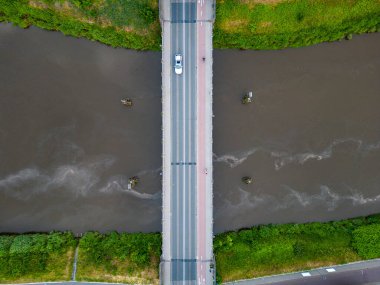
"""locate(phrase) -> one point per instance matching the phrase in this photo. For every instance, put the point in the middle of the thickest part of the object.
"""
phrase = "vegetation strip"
(134, 257)
(113, 257)
(36, 257)
(243, 24)
(276, 249)
(277, 24)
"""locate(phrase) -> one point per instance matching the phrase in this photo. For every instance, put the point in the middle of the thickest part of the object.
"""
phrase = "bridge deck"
(187, 142)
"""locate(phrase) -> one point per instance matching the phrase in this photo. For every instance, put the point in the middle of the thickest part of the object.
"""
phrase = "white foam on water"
(82, 179)
(18, 184)
(236, 159)
(247, 201)
(149, 172)
(372, 147)
(358, 198)
(120, 183)
(15, 180)
(302, 198)
(330, 197)
(79, 179)
(23, 184)
(284, 158)
(326, 198)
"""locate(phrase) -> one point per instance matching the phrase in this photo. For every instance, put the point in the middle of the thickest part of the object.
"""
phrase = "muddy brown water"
(310, 140)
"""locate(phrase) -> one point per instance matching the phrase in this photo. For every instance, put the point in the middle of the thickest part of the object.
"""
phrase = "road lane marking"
(178, 154)
(306, 274)
(183, 143)
(330, 270)
(189, 123)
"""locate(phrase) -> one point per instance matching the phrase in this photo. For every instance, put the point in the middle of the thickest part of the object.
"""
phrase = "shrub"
(28, 254)
(135, 24)
(59, 242)
(35, 255)
(5, 244)
(366, 240)
(104, 249)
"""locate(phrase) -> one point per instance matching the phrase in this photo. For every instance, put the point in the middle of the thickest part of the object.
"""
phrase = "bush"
(273, 249)
(35, 255)
(5, 244)
(239, 24)
(366, 240)
(126, 255)
(293, 23)
(59, 242)
(28, 254)
(117, 23)
(137, 248)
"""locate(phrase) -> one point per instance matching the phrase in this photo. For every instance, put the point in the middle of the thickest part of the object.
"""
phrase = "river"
(310, 140)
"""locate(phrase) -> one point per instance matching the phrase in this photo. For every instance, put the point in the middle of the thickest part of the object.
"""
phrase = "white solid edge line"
(295, 272)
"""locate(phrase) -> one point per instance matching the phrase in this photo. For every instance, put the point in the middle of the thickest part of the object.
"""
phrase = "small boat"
(127, 102)
(247, 98)
(132, 182)
(247, 180)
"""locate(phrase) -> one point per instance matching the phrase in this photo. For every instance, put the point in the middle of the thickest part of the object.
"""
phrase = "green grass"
(247, 24)
(113, 257)
(119, 23)
(36, 257)
(134, 257)
(243, 24)
(274, 249)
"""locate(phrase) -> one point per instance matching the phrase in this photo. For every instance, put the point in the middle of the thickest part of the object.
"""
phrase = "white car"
(178, 64)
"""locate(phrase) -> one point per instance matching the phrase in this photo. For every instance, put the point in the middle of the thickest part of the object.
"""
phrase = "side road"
(362, 272)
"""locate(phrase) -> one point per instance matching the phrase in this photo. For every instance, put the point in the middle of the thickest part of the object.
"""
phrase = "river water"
(310, 140)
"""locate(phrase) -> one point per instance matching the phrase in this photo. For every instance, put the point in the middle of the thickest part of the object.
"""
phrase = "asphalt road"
(355, 277)
(369, 274)
(183, 134)
(362, 272)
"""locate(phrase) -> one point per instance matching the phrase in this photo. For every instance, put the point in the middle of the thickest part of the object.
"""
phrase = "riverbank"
(122, 258)
(250, 24)
(274, 249)
(134, 258)
(36, 257)
(128, 24)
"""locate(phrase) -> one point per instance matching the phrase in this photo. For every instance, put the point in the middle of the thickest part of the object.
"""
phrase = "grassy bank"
(276, 24)
(120, 23)
(275, 249)
(113, 257)
(244, 24)
(36, 257)
(134, 258)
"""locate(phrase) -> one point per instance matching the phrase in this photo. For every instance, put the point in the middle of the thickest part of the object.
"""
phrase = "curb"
(320, 271)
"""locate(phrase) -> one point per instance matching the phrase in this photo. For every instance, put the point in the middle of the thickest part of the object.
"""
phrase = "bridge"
(187, 256)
